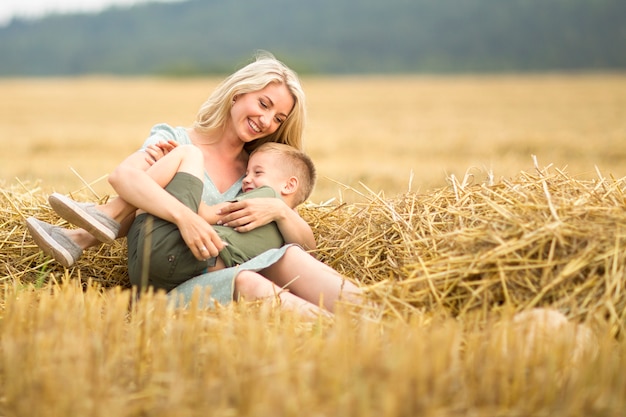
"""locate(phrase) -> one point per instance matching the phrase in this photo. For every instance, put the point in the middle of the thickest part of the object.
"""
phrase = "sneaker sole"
(69, 210)
(48, 245)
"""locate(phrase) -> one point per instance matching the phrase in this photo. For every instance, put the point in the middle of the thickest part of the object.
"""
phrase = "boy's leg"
(180, 158)
(186, 158)
(156, 249)
(312, 280)
(169, 260)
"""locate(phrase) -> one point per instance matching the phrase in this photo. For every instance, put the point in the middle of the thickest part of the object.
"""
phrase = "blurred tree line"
(323, 36)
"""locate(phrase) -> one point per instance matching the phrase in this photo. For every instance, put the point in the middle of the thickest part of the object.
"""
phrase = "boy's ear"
(290, 186)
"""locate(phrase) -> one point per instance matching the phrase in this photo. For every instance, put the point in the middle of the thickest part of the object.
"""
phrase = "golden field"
(461, 236)
(375, 130)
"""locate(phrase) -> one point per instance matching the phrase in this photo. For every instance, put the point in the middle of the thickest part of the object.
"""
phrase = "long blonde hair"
(266, 69)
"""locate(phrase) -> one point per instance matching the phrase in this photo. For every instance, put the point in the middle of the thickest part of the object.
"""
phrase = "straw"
(539, 239)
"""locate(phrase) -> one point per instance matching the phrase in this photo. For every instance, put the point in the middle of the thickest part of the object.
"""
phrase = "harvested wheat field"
(491, 292)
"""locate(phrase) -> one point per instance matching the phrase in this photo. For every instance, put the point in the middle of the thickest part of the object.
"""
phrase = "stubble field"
(461, 232)
(380, 131)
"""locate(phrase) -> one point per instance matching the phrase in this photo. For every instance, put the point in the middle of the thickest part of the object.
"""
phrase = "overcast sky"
(38, 8)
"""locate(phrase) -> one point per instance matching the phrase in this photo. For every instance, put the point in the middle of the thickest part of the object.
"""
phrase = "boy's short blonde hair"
(294, 163)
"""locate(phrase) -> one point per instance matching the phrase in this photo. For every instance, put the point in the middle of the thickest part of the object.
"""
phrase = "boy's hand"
(159, 150)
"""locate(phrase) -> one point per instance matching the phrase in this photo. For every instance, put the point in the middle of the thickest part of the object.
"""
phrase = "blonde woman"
(262, 102)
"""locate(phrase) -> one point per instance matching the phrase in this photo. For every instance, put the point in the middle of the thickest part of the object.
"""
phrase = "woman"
(259, 103)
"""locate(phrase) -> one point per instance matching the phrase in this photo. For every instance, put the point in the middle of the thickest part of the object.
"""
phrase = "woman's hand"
(200, 237)
(249, 214)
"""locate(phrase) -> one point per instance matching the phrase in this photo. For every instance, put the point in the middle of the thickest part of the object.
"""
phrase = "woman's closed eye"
(265, 106)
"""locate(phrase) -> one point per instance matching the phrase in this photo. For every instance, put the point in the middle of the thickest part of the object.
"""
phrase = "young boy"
(158, 255)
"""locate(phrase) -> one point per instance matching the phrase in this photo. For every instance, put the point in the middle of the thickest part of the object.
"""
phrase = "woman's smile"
(255, 127)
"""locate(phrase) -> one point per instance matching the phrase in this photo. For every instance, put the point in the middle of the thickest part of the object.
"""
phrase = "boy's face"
(264, 169)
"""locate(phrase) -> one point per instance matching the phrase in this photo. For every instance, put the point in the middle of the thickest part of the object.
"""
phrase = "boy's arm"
(209, 213)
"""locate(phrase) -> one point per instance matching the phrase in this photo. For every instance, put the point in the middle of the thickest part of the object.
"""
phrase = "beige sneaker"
(53, 242)
(86, 216)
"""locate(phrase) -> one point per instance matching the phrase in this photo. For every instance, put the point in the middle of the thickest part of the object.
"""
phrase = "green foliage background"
(323, 36)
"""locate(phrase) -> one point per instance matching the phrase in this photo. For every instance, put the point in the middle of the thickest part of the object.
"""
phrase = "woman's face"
(260, 113)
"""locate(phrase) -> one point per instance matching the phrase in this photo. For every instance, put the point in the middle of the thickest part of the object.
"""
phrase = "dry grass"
(449, 269)
(23, 262)
(539, 239)
(374, 130)
(67, 351)
(445, 270)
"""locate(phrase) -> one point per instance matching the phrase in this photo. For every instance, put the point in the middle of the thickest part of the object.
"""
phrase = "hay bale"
(24, 263)
(539, 239)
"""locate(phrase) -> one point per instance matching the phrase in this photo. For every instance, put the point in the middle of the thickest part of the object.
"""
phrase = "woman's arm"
(249, 214)
(133, 184)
